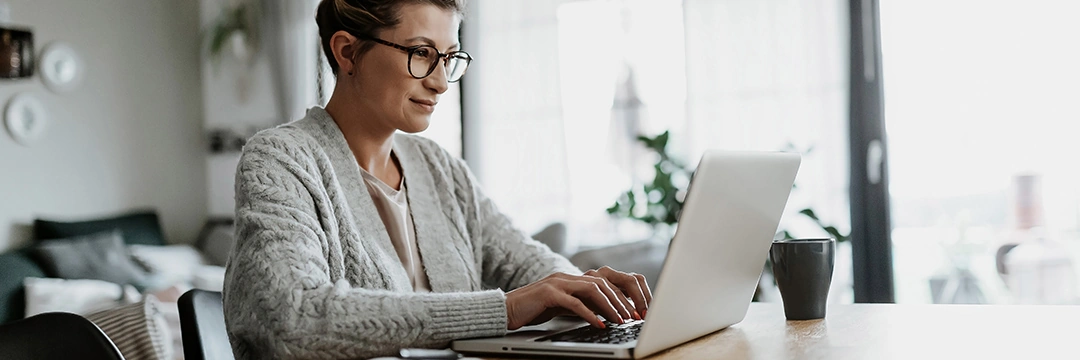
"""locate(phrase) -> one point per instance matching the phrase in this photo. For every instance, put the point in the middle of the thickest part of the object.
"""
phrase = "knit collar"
(443, 263)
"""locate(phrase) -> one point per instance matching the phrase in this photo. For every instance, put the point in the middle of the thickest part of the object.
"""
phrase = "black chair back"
(56, 335)
(202, 326)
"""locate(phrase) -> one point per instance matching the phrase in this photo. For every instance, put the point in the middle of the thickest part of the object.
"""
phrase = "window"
(561, 88)
(979, 103)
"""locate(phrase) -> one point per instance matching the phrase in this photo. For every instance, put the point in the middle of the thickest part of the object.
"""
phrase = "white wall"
(226, 107)
(129, 137)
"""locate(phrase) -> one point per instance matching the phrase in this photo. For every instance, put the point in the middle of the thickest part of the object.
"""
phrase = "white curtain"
(560, 87)
(293, 48)
(765, 73)
(552, 108)
(514, 114)
(762, 74)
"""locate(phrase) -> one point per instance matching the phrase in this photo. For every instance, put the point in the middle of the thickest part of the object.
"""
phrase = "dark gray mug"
(803, 270)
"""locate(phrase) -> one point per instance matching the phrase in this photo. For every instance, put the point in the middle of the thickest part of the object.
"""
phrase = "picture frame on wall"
(16, 53)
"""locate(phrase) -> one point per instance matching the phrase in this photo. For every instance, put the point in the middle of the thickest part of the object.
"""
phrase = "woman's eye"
(423, 53)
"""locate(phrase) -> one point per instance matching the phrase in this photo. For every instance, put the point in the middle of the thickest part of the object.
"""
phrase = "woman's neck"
(369, 143)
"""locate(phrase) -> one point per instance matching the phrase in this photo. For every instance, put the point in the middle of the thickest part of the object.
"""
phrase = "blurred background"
(938, 136)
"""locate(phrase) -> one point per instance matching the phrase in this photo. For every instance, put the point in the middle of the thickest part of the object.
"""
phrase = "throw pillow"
(173, 262)
(139, 330)
(209, 278)
(216, 241)
(75, 296)
(554, 236)
(138, 228)
(168, 265)
(100, 256)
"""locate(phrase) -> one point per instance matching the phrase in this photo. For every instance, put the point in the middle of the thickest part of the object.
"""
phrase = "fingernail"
(636, 316)
(602, 326)
(643, 313)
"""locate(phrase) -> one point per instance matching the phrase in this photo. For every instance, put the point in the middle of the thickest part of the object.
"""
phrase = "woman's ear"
(344, 46)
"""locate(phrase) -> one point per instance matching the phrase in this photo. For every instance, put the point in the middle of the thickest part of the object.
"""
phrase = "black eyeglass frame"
(445, 57)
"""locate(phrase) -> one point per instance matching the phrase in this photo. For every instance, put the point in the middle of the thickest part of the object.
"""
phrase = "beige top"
(393, 208)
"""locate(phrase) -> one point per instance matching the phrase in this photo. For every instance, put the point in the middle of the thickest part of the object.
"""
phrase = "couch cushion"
(216, 241)
(81, 296)
(169, 264)
(15, 265)
(554, 236)
(140, 227)
(644, 257)
(100, 256)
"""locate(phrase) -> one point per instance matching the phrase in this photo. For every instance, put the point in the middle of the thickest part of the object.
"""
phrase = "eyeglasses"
(424, 58)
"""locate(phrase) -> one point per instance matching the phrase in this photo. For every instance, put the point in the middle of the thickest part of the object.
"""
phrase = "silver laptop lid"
(727, 224)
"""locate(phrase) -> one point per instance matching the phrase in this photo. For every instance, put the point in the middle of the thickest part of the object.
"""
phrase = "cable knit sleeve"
(280, 296)
(510, 258)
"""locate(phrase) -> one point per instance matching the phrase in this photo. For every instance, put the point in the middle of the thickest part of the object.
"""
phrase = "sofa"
(644, 257)
(140, 227)
(15, 265)
(137, 244)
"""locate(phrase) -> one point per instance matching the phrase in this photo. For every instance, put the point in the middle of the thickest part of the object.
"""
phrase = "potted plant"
(235, 29)
(656, 203)
(233, 40)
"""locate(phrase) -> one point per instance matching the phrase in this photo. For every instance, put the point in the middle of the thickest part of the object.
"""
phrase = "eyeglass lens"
(423, 60)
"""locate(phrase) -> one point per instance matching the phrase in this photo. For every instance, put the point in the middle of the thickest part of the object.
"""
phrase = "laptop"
(708, 278)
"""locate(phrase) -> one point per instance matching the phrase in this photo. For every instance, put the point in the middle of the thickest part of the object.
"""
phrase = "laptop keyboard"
(614, 333)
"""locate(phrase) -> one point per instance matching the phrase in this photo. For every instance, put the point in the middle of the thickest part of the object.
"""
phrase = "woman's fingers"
(616, 296)
(644, 283)
(634, 287)
(589, 293)
(575, 305)
(602, 292)
(618, 301)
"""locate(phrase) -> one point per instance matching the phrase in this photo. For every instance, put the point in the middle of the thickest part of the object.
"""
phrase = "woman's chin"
(416, 125)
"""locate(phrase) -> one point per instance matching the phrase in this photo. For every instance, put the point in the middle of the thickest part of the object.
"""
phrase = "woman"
(354, 242)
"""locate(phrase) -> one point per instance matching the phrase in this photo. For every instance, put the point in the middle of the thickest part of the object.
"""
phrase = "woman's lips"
(427, 105)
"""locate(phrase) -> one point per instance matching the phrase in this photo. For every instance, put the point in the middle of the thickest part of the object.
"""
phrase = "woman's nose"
(437, 80)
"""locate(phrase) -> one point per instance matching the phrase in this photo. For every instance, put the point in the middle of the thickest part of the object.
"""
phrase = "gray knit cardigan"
(313, 273)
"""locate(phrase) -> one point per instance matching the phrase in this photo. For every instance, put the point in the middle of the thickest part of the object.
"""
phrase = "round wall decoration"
(60, 67)
(26, 118)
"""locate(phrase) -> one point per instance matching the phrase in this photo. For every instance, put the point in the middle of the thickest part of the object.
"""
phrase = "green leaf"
(217, 41)
(832, 231)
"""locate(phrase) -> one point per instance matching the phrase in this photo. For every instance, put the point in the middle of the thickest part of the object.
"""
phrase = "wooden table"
(878, 331)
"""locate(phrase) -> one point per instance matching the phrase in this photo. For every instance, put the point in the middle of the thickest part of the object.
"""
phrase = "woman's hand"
(615, 295)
